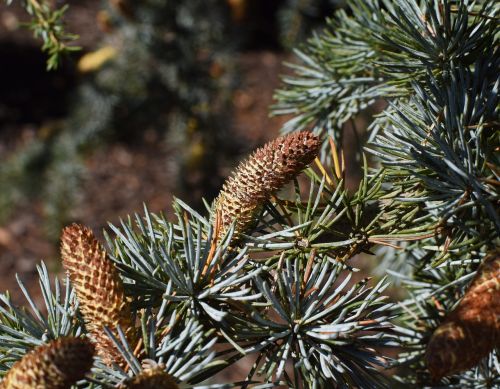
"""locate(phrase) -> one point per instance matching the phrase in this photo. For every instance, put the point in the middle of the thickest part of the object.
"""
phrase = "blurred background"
(163, 99)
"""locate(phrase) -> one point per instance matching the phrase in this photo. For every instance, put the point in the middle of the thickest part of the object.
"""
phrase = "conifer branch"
(23, 328)
(286, 293)
(47, 24)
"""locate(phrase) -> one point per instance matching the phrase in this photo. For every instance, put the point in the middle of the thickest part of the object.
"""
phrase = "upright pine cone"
(55, 365)
(154, 378)
(472, 330)
(99, 289)
(266, 171)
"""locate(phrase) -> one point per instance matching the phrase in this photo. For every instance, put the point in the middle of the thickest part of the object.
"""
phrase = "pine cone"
(99, 289)
(55, 365)
(472, 330)
(266, 171)
(154, 378)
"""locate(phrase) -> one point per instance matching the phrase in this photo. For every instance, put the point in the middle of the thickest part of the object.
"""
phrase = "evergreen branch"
(326, 331)
(284, 294)
(376, 53)
(22, 330)
(436, 153)
(47, 24)
(181, 350)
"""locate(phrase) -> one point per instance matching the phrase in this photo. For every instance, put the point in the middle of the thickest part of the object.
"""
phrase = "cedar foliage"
(282, 287)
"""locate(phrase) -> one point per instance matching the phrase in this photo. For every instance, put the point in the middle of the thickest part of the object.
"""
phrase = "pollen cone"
(154, 378)
(266, 171)
(99, 289)
(472, 330)
(55, 365)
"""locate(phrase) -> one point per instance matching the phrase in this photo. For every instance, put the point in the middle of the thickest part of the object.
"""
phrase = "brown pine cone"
(154, 378)
(472, 330)
(267, 170)
(99, 289)
(55, 365)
